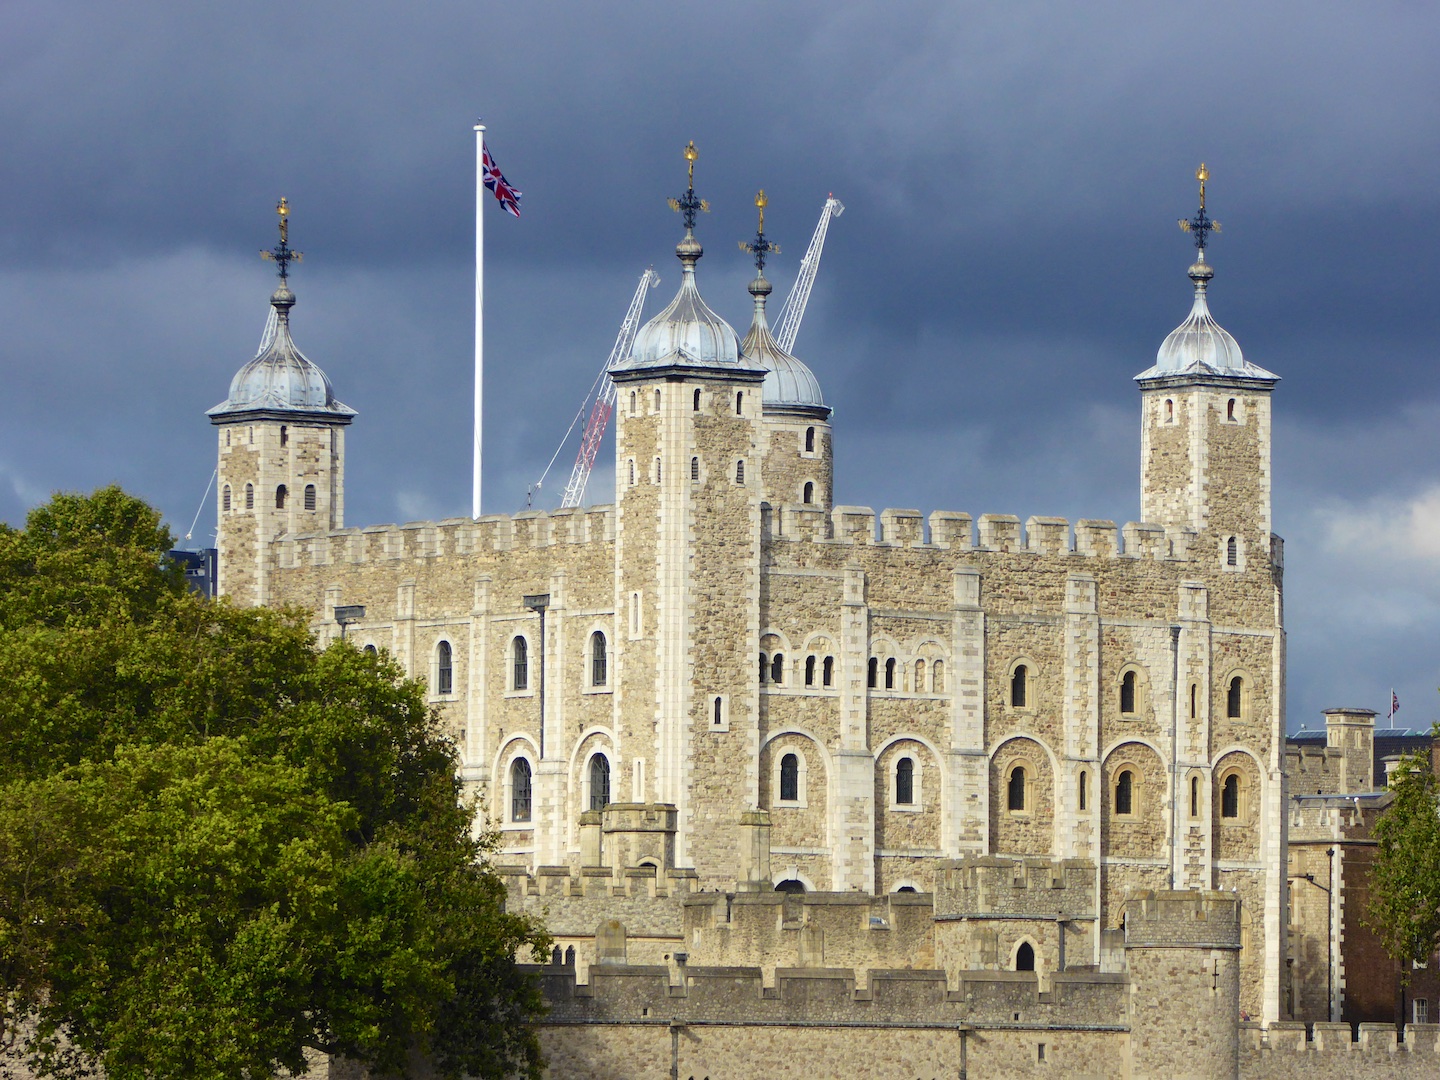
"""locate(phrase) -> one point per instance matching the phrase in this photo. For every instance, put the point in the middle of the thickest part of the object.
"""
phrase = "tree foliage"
(220, 847)
(1405, 879)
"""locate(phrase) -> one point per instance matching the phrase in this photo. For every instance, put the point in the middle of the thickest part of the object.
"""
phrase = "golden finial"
(1202, 174)
(688, 204)
(760, 203)
(761, 246)
(281, 254)
(1202, 225)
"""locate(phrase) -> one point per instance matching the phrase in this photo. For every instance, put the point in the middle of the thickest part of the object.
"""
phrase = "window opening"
(827, 672)
(309, 496)
(1125, 792)
(719, 708)
(695, 466)
(1015, 794)
(634, 402)
(937, 676)
(1230, 409)
(249, 496)
(740, 403)
(871, 679)
(570, 956)
(810, 440)
(1235, 698)
(764, 668)
(890, 674)
(280, 494)
(809, 495)
(225, 499)
(632, 473)
(657, 470)
(919, 676)
(520, 664)
(1194, 796)
(599, 659)
(1169, 410)
(809, 671)
(1232, 552)
(657, 399)
(790, 778)
(599, 782)
(284, 435)
(1127, 692)
(371, 650)
(1025, 957)
(696, 406)
(790, 885)
(739, 472)
(520, 790)
(1019, 686)
(777, 668)
(1194, 695)
(444, 668)
(905, 782)
(1230, 797)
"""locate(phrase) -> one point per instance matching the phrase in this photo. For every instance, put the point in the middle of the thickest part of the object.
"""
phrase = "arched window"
(1015, 789)
(919, 676)
(444, 669)
(809, 671)
(1169, 411)
(372, 650)
(777, 668)
(764, 667)
(790, 778)
(827, 672)
(740, 403)
(280, 494)
(1232, 552)
(890, 674)
(1194, 695)
(1125, 792)
(696, 406)
(1084, 788)
(905, 782)
(520, 790)
(599, 659)
(1194, 796)
(695, 464)
(809, 493)
(599, 782)
(1230, 409)
(225, 499)
(1235, 698)
(570, 955)
(309, 496)
(872, 680)
(1025, 957)
(249, 496)
(719, 711)
(1230, 797)
(790, 885)
(634, 402)
(810, 440)
(1127, 692)
(937, 677)
(284, 435)
(657, 470)
(739, 472)
(657, 399)
(1019, 686)
(519, 664)
(632, 472)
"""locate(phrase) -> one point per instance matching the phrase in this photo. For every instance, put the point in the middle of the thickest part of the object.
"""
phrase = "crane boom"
(794, 310)
(605, 397)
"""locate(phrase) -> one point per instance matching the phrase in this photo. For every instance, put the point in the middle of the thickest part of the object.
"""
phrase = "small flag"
(1394, 703)
(507, 196)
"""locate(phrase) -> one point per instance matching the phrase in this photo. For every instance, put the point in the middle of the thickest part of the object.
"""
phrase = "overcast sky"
(1007, 262)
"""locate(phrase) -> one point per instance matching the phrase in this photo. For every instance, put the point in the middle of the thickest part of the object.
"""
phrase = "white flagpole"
(479, 309)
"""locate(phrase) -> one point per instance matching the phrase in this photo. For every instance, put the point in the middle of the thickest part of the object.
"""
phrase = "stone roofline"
(1321, 1044)
(853, 526)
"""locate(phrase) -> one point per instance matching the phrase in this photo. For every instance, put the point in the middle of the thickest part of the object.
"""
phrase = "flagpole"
(479, 311)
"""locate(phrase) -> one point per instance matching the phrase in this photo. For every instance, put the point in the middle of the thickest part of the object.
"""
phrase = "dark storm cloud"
(1007, 261)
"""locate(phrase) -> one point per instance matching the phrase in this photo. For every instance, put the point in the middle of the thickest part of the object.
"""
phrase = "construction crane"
(604, 397)
(794, 310)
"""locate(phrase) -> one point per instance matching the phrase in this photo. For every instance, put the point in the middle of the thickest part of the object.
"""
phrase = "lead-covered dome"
(790, 386)
(1200, 345)
(281, 380)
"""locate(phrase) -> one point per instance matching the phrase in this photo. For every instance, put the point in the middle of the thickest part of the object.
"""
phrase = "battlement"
(987, 886)
(952, 531)
(1161, 919)
(1327, 1049)
(416, 540)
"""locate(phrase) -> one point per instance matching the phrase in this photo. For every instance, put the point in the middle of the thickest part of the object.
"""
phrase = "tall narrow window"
(777, 668)
(1232, 552)
(309, 496)
(634, 401)
(1194, 695)
(719, 708)
(599, 659)
(937, 676)
(905, 782)
(1127, 693)
(1019, 686)
(444, 669)
(1230, 797)
(657, 470)
(696, 406)
(249, 496)
(809, 493)
(739, 472)
(284, 435)
(1235, 698)
(1230, 409)
(695, 466)
(1169, 411)
(1194, 796)
(520, 790)
(789, 778)
(809, 671)
(225, 499)
(280, 494)
(764, 667)
(1025, 957)
(919, 676)
(740, 403)
(1015, 790)
(632, 473)
(890, 674)
(1125, 792)
(599, 782)
(1084, 788)
(827, 672)
(871, 679)
(810, 440)
(519, 664)
(657, 399)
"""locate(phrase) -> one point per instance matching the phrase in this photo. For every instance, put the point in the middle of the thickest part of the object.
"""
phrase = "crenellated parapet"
(990, 887)
(1195, 918)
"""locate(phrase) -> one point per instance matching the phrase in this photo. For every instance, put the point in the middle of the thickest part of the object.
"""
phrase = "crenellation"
(1098, 538)
(902, 528)
(1145, 541)
(951, 530)
(1000, 532)
(1048, 535)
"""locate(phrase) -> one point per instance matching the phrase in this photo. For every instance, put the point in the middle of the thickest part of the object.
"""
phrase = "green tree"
(1405, 879)
(220, 847)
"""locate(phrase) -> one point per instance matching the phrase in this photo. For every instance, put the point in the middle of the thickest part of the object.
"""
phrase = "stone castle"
(731, 733)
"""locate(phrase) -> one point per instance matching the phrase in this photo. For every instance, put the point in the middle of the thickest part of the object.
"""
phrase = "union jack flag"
(507, 196)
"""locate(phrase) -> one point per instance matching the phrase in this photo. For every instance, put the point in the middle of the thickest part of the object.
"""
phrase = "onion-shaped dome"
(790, 386)
(687, 333)
(281, 381)
(1200, 345)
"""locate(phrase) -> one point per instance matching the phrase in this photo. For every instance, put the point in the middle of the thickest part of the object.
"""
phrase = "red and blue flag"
(506, 195)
